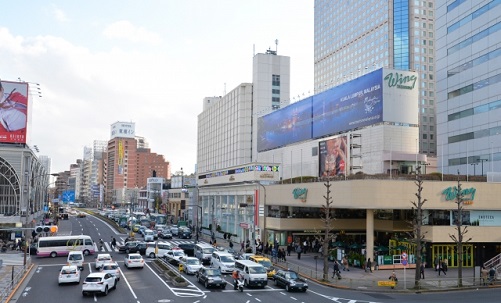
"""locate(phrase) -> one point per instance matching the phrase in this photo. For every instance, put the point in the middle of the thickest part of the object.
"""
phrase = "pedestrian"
(484, 273)
(369, 265)
(336, 270)
(421, 270)
(289, 249)
(101, 244)
(441, 268)
(298, 251)
(492, 275)
(437, 262)
(346, 266)
(113, 242)
(393, 278)
(242, 245)
(231, 244)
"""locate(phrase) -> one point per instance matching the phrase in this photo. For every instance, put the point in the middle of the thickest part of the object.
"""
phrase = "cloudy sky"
(149, 62)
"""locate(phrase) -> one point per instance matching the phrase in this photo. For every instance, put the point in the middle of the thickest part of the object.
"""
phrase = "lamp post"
(474, 166)
(482, 161)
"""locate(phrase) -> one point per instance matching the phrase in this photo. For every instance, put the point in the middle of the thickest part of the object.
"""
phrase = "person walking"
(299, 251)
(441, 268)
(484, 274)
(289, 249)
(113, 242)
(346, 266)
(336, 271)
(369, 265)
(437, 263)
(421, 270)
(242, 245)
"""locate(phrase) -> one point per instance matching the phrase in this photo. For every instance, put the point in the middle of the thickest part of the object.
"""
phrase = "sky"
(149, 62)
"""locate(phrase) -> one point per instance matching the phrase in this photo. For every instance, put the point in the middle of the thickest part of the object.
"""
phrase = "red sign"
(244, 225)
(13, 111)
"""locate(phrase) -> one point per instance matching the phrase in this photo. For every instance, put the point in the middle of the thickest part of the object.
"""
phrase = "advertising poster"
(13, 111)
(351, 105)
(332, 157)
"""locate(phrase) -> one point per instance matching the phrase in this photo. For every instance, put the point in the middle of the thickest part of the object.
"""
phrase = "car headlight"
(293, 283)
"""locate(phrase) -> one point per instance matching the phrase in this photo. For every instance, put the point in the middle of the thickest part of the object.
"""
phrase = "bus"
(62, 245)
(159, 218)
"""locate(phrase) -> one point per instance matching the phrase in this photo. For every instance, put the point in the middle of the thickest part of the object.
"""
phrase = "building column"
(369, 241)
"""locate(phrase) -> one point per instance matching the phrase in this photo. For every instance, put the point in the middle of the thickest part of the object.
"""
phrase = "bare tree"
(327, 219)
(461, 231)
(417, 223)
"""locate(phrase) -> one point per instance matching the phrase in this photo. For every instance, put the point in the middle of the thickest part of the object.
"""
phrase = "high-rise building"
(469, 86)
(356, 37)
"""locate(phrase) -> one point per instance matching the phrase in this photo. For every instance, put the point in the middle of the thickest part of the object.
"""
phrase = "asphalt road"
(145, 285)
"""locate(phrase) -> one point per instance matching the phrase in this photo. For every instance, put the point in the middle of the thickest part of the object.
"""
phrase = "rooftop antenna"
(276, 46)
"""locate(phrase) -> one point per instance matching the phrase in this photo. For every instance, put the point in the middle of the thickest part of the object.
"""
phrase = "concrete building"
(469, 87)
(356, 37)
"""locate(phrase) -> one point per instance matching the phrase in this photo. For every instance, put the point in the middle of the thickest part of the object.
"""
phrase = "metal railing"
(17, 273)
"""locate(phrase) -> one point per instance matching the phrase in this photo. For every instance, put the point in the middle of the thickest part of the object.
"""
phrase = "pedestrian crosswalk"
(107, 245)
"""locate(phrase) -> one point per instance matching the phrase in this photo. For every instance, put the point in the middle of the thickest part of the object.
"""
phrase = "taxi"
(270, 270)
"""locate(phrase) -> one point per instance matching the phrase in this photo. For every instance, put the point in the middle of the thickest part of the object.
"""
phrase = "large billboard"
(351, 105)
(13, 111)
(282, 127)
(123, 130)
(332, 157)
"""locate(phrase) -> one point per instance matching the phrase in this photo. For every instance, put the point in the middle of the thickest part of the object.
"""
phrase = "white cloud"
(127, 31)
(59, 14)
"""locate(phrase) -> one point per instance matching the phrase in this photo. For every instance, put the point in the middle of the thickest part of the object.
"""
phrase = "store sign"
(400, 80)
(300, 193)
(467, 194)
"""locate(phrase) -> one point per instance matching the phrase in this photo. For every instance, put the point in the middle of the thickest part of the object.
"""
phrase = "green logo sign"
(300, 193)
(451, 193)
(401, 81)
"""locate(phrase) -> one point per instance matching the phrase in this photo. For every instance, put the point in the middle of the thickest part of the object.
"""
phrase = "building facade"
(469, 86)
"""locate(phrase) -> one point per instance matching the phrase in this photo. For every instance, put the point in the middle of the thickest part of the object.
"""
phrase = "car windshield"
(193, 262)
(257, 270)
(291, 275)
(227, 259)
(178, 253)
(208, 250)
(265, 263)
(213, 272)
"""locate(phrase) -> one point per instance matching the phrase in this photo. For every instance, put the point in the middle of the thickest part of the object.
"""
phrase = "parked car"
(188, 248)
(99, 282)
(133, 247)
(290, 280)
(69, 274)
(210, 277)
(134, 260)
(111, 268)
(191, 265)
(101, 259)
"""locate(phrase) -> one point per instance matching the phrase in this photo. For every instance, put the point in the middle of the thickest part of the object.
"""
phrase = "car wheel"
(246, 284)
(152, 255)
(198, 279)
(206, 284)
(223, 286)
(83, 293)
(86, 252)
(53, 254)
(106, 291)
(304, 290)
(115, 284)
(287, 288)
(127, 251)
(276, 282)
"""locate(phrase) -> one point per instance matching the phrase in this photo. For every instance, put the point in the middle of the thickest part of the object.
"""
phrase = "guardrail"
(17, 273)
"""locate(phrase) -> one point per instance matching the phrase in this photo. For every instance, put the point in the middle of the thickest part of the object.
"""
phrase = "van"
(203, 252)
(254, 274)
(223, 261)
(149, 235)
(75, 258)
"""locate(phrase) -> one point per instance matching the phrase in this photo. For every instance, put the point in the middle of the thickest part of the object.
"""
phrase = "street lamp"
(474, 166)
(482, 161)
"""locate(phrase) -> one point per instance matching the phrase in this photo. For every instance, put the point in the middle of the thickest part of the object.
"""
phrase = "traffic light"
(46, 229)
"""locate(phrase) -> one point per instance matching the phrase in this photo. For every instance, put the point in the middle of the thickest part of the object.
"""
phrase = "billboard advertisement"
(401, 96)
(123, 130)
(351, 105)
(285, 126)
(332, 157)
(13, 111)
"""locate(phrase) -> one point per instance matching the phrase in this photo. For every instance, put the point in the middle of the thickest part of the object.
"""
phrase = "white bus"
(62, 245)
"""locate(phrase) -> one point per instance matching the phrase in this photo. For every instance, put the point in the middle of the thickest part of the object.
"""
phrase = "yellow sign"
(386, 283)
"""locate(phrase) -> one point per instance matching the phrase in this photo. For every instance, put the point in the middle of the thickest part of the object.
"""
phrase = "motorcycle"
(239, 285)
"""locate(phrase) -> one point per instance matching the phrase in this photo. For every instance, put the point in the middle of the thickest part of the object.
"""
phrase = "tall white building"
(225, 126)
(359, 36)
(469, 86)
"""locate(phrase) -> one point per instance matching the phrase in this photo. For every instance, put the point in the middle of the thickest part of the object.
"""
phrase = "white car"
(103, 258)
(69, 274)
(191, 265)
(111, 268)
(99, 282)
(173, 256)
(134, 260)
(160, 250)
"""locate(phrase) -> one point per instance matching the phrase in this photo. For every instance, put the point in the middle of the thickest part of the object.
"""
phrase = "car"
(210, 277)
(75, 258)
(69, 274)
(172, 256)
(133, 247)
(81, 215)
(184, 233)
(99, 282)
(174, 230)
(165, 233)
(270, 270)
(101, 259)
(223, 261)
(136, 227)
(134, 260)
(244, 256)
(33, 248)
(290, 280)
(149, 235)
(160, 249)
(188, 248)
(141, 229)
(111, 268)
(191, 265)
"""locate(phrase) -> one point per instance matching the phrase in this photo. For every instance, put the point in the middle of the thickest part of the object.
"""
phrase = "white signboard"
(123, 130)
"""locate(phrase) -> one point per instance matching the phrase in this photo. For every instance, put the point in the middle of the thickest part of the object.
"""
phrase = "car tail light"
(101, 283)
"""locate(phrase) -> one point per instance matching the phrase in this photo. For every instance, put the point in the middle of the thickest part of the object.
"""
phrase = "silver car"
(191, 265)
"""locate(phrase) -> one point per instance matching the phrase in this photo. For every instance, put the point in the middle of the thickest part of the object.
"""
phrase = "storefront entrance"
(449, 253)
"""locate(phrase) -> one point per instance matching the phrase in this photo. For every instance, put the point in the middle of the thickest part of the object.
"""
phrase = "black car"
(290, 280)
(189, 249)
(184, 233)
(133, 247)
(211, 277)
(33, 248)
(165, 234)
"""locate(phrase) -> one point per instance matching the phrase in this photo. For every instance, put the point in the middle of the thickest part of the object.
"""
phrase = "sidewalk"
(358, 279)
